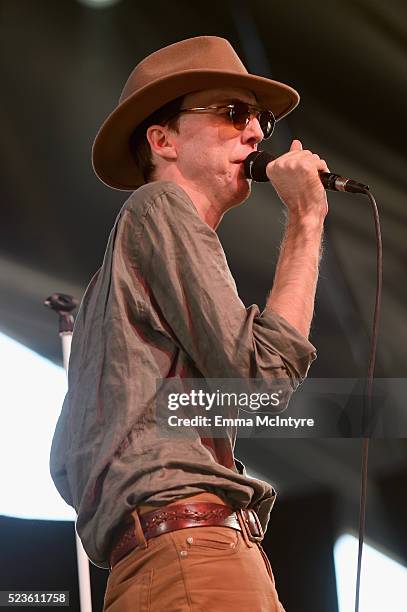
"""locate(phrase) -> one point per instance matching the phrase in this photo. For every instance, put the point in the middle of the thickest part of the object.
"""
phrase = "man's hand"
(295, 178)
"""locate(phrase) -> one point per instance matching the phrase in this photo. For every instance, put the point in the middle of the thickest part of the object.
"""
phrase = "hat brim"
(111, 156)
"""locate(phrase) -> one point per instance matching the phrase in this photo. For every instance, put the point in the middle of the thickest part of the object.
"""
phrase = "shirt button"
(190, 540)
(183, 553)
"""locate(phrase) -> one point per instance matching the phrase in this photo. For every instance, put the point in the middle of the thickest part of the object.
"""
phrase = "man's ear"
(161, 140)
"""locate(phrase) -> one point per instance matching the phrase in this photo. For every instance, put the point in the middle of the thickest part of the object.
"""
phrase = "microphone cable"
(369, 387)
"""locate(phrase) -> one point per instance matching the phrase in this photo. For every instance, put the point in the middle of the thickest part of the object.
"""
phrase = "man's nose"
(253, 132)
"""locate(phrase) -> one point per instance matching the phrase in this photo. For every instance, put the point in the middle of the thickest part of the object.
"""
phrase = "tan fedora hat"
(204, 62)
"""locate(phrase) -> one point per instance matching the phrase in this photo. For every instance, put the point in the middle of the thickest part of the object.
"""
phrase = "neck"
(207, 205)
(204, 205)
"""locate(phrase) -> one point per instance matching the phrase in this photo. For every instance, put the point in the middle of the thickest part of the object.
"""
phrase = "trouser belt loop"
(138, 531)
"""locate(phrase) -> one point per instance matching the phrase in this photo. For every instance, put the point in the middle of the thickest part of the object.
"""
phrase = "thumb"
(296, 145)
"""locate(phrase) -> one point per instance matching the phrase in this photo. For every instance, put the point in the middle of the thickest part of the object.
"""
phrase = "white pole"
(85, 595)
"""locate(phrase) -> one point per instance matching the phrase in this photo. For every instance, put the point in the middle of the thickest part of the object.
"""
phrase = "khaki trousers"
(199, 569)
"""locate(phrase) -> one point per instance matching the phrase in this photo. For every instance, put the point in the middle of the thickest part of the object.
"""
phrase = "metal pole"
(63, 305)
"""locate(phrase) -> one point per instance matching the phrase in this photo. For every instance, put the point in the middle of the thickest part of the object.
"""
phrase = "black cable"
(369, 386)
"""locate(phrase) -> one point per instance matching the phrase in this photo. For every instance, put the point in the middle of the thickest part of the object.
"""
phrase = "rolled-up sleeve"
(188, 281)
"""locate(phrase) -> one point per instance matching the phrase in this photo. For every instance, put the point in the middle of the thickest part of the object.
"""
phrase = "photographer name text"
(258, 420)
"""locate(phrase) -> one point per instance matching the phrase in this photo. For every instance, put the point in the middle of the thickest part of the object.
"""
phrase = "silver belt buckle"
(257, 534)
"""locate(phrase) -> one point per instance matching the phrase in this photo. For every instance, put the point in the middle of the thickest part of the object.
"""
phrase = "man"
(176, 522)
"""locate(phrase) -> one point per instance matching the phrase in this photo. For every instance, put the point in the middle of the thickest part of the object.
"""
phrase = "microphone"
(255, 168)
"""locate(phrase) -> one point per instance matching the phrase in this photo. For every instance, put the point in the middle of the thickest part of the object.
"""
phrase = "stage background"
(63, 65)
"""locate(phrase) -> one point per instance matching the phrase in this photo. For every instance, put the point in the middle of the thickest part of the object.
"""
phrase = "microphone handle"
(334, 182)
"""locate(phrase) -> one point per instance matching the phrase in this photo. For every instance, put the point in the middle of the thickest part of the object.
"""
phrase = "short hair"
(138, 143)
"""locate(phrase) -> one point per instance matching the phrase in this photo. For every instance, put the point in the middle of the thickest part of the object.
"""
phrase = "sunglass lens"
(267, 122)
(240, 115)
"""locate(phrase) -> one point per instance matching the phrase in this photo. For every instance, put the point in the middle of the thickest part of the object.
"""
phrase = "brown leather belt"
(183, 516)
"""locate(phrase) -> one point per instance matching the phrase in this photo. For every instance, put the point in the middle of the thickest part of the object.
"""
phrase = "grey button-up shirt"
(163, 304)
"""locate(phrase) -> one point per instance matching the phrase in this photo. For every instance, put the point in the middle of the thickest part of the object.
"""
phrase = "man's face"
(210, 150)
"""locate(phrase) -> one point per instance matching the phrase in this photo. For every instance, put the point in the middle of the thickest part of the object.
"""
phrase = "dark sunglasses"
(240, 113)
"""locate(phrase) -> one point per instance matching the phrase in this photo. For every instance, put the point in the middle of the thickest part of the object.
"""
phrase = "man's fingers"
(324, 166)
(296, 145)
(294, 176)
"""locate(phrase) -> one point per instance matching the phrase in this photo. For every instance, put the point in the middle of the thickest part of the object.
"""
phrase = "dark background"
(63, 66)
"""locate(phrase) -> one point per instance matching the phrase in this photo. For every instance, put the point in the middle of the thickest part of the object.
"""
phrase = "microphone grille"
(255, 165)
